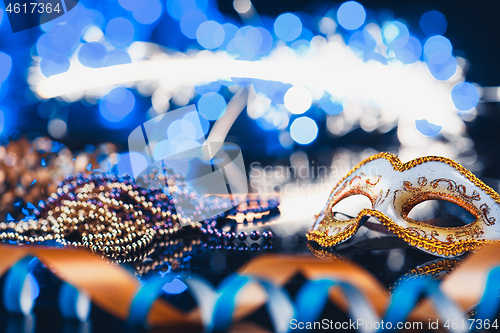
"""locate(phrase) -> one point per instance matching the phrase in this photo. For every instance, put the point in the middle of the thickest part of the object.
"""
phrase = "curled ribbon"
(259, 282)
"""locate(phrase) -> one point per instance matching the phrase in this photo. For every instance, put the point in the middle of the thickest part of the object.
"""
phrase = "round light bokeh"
(298, 100)
(304, 130)
(351, 15)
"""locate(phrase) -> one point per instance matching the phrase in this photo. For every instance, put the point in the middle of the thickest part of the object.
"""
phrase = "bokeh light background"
(286, 82)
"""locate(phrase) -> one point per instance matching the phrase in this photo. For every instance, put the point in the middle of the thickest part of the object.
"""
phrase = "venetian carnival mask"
(394, 188)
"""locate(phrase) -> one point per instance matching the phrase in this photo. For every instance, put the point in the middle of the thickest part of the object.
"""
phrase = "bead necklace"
(174, 250)
(112, 216)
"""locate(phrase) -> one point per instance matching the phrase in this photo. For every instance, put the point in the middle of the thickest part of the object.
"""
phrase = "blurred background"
(318, 85)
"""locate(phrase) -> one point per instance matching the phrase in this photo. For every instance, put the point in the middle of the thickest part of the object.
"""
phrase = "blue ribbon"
(14, 285)
(280, 306)
(145, 297)
(408, 293)
(488, 307)
(405, 298)
(313, 296)
(68, 303)
(279, 303)
(224, 306)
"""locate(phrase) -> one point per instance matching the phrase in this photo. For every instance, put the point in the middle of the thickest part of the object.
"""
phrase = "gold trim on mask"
(437, 269)
(460, 240)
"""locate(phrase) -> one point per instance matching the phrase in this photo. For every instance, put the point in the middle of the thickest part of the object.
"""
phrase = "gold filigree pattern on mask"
(412, 183)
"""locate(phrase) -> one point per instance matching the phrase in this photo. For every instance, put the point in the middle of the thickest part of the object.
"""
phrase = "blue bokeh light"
(84, 18)
(177, 8)
(373, 56)
(330, 106)
(127, 162)
(351, 15)
(230, 31)
(438, 55)
(433, 23)
(149, 12)
(190, 23)
(186, 145)
(174, 287)
(287, 27)
(436, 45)
(92, 54)
(4, 88)
(116, 57)
(174, 129)
(71, 15)
(120, 31)
(274, 90)
(241, 81)
(178, 140)
(465, 96)
(247, 41)
(199, 122)
(210, 35)
(301, 46)
(54, 63)
(427, 128)
(5, 66)
(212, 105)
(267, 41)
(43, 45)
(2, 121)
(117, 104)
(442, 67)
(120, 101)
(407, 51)
(163, 149)
(306, 34)
(304, 130)
(132, 5)
(208, 87)
(186, 130)
(64, 39)
(393, 31)
(80, 17)
(362, 42)
(6, 120)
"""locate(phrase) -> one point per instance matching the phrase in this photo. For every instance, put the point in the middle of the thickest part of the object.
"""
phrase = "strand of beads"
(100, 213)
(173, 250)
(111, 215)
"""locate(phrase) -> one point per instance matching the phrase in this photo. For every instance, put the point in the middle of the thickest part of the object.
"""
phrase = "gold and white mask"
(394, 188)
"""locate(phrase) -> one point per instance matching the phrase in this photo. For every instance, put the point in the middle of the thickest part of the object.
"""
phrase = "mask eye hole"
(350, 207)
(441, 213)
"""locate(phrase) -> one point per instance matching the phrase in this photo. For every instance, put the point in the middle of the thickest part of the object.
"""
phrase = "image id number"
(32, 8)
(472, 324)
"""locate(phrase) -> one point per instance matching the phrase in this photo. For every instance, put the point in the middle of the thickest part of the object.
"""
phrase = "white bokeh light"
(298, 100)
(304, 130)
(57, 128)
(242, 6)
